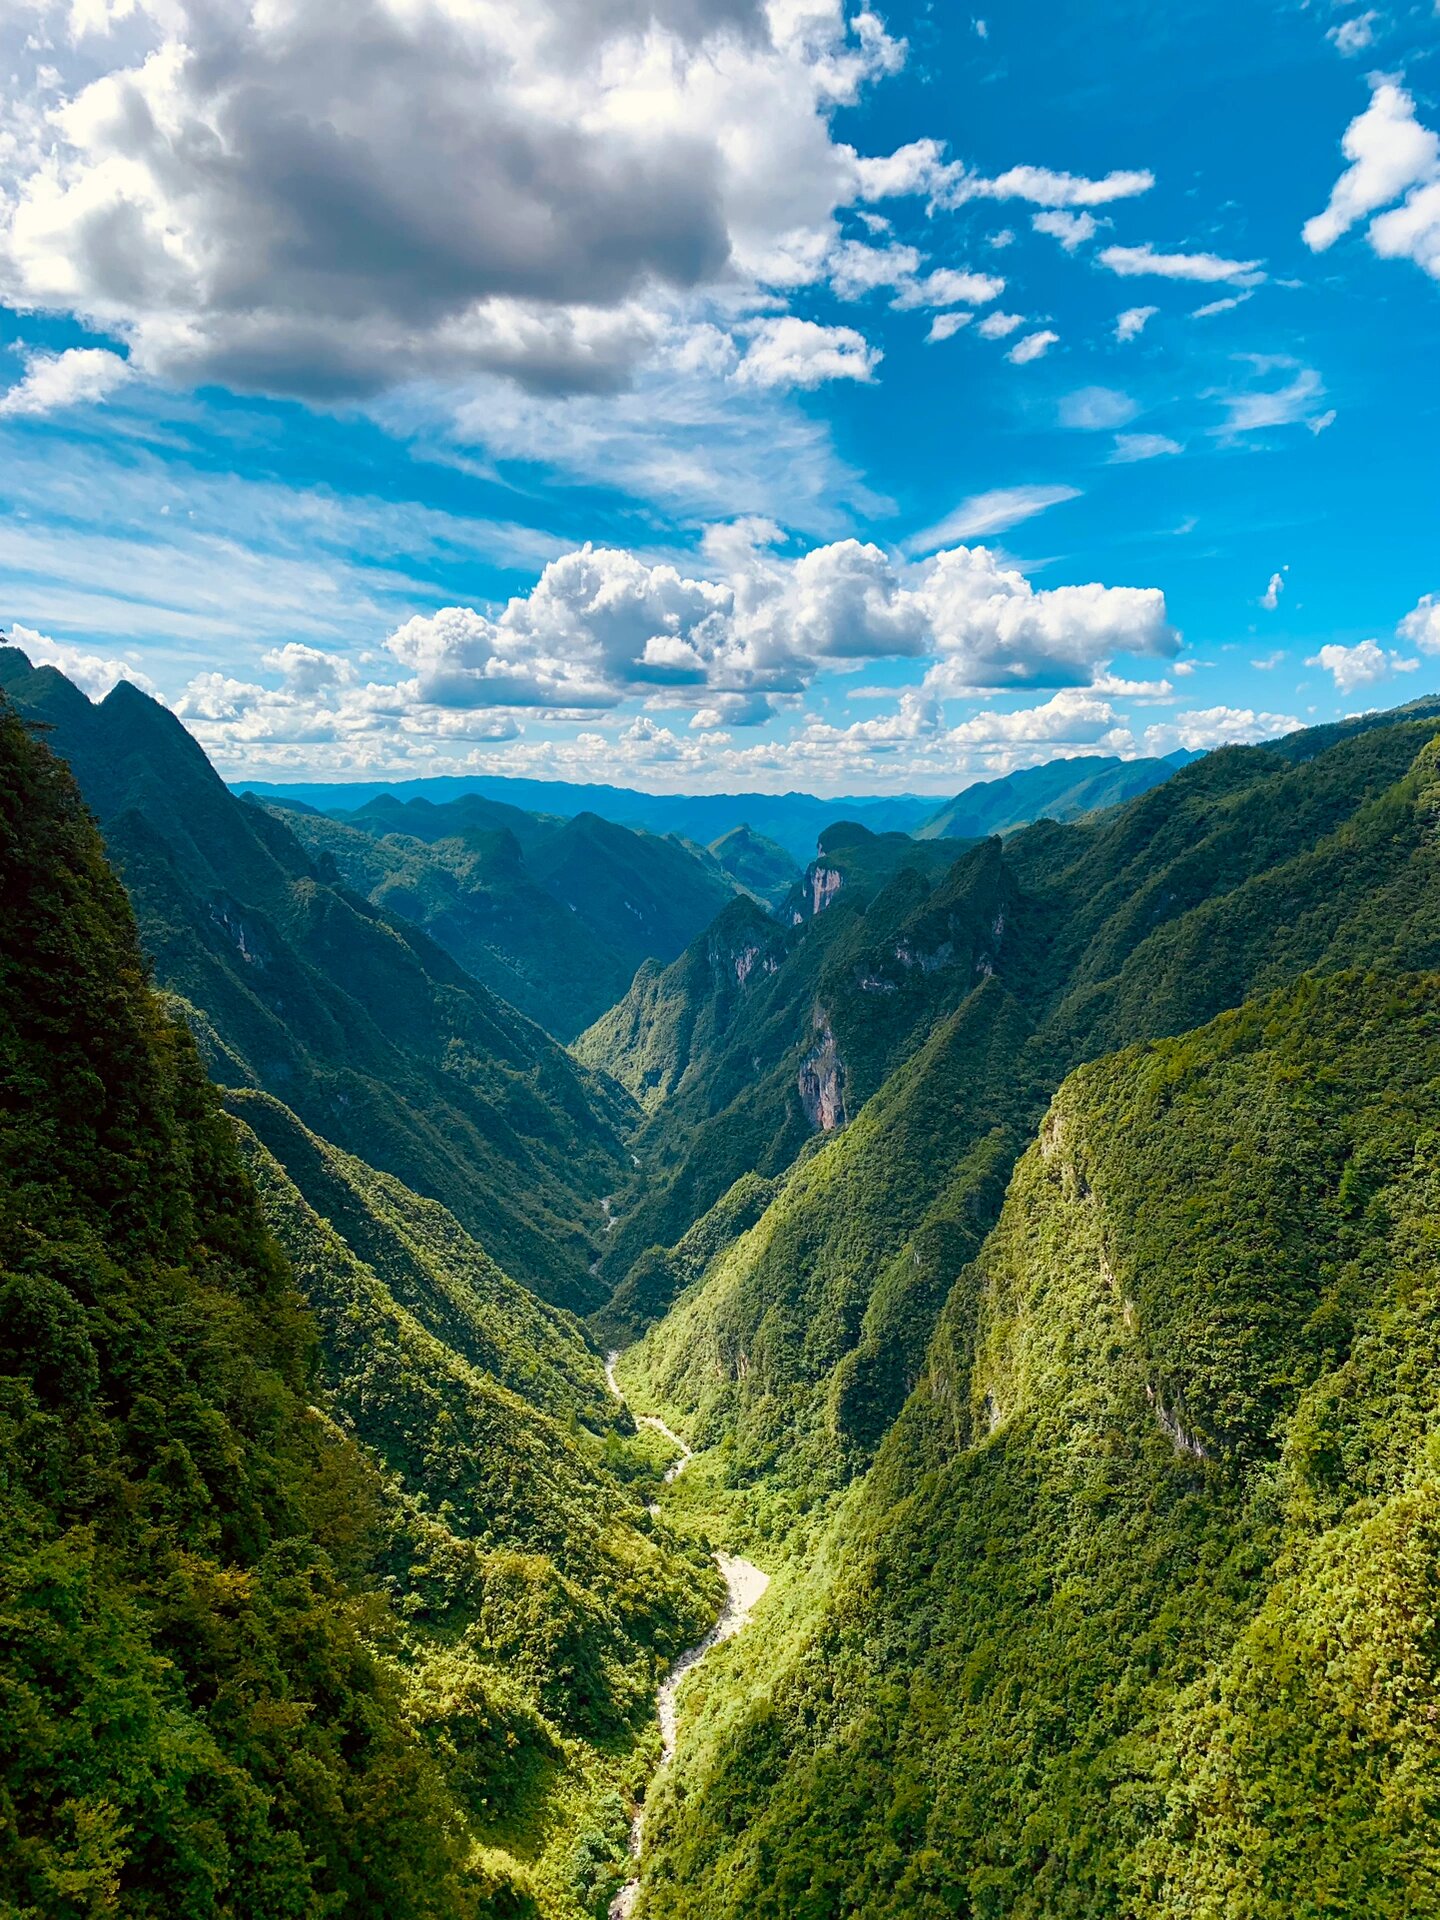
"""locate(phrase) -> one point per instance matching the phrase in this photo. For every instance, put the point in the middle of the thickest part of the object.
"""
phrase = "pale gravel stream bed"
(744, 1584)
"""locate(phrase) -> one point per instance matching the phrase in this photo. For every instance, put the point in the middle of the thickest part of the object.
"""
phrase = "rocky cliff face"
(821, 1080)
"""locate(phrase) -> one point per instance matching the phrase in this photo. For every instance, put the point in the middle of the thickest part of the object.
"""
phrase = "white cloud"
(94, 673)
(80, 376)
(1227, 305)
(1421, 626)
(1096, 409)
(950, 287)
(1270, 599)
(1411, 232)
(1132, 261)
(1390, 154)
(1360, 665)
(1072, 230)
(1132, 322)
(601, 626)
(1289, 404)
(1043, 187)
(1033, 347)
(1356, 34)
(946, 325)
(1211, 727)
(308, 670)
(1130, 447)
(788, 352)
(298, 199)
(999, 326)
(987, 513)
(855, 269)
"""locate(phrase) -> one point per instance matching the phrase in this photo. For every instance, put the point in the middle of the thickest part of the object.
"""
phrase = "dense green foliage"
(1135, 1613)
(755, 864)
(799, 1348)
(1241, 872)
(553, 915)
(1100, 1477)
(357, 1021)
(290, 1625)
(1059, 790)
(762, 1035)
(195, 1717)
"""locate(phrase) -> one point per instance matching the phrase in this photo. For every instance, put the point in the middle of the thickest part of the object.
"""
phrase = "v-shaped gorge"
(1077, 1400)
(1070, 1500)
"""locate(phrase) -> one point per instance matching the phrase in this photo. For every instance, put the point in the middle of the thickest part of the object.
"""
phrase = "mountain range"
(1061, 789)
(1032, 1224)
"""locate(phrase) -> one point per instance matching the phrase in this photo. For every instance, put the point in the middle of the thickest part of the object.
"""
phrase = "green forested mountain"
(793, 821)
(344, 1604)
(1059, 790)
(553, 914)
(762, 1037)
(1245, 869)
(360, 1023)
(1035, 1237)
(1135, 1613)
(755, 864)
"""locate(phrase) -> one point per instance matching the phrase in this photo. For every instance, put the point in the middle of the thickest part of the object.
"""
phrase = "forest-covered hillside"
(1135, 1613)
(359, 1022)
(327, 1584)
(554, 915)
(1033, 1236)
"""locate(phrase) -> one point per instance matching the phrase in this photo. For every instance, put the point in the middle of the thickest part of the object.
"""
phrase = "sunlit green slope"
(1135, 1614)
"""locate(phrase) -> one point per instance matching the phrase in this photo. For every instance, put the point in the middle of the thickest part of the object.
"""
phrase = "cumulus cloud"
(1130, 324)
(1043, 187)
(1270, 599)
(946, 325)
(922, 167)
(93, 672)
(601, 626)
(999, 326)
(785, 351)
(950, 287)
(1072, 230)
(993, 512)
(1360, 665)
(1132, 261)
(1356, 34)
(1033, 347)
(294, 199)
(1391, 154)
(1421, 626)
(80, 376)
(1227, 305)
(1209, 727)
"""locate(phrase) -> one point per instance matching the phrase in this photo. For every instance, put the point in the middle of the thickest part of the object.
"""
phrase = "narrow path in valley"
(744, 1584)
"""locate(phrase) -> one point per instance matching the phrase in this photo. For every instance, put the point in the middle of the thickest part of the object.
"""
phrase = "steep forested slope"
(296, 1626)
(1244, 871)
(763, 1037)
(555, 915)
(756, 864)
(1060, 790)
(1135, 1613)
(376, 1038)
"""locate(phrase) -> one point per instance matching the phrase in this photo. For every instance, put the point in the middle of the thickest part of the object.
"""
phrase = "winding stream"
(744, 1584)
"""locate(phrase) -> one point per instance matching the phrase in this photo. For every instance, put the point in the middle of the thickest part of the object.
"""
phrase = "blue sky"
(714, 393)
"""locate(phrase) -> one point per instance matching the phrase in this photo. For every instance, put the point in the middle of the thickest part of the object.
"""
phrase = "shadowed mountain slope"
(361, 1024)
